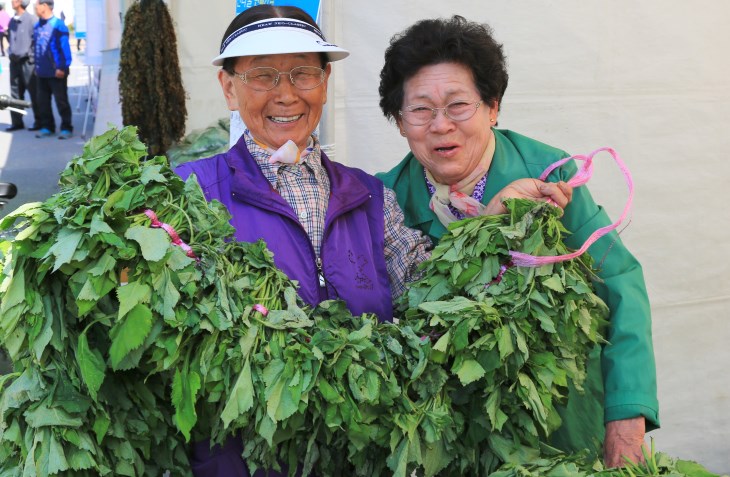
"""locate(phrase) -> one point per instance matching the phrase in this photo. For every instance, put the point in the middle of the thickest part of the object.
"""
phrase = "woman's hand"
(624, 438)
(556, 193)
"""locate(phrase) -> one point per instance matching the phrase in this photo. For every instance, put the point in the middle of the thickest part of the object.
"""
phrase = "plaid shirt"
(305, 186)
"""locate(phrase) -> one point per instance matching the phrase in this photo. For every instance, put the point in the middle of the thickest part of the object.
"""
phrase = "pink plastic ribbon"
(581, 177)
(171, 232)
(261, 309)
(502, 270)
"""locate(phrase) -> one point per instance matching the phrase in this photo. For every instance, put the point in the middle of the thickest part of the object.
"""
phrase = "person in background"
(52, 63)
(442, 83)
(22, 62)
(4, 21)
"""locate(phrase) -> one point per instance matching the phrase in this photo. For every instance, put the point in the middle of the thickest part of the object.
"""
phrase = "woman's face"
(282, 113)
(449, 149)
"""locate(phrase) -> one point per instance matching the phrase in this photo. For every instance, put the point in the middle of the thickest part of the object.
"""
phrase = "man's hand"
(624, 438)
(557, 193)
(60, 74)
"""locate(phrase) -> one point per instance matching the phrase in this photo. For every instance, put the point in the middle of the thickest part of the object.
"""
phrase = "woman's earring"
(491, 120)
(403, 132)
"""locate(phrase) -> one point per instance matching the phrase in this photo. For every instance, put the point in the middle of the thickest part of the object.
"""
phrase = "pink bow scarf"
(289, 153)
(458, 195)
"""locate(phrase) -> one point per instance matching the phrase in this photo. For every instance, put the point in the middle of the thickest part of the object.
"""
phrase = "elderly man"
(22, 64)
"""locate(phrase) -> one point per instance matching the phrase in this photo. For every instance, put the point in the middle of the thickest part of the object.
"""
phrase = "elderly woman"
(443, 83)
(333, 229)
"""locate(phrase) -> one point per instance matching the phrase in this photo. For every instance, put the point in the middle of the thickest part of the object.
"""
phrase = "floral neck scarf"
(462, 199)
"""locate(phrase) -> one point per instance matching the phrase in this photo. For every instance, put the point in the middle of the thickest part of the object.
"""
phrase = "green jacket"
(628, 388)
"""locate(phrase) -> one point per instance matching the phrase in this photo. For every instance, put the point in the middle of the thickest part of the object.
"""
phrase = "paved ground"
(33, 164)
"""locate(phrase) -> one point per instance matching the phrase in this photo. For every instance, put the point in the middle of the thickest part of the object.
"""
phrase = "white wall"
(649, 78)
(199, 30)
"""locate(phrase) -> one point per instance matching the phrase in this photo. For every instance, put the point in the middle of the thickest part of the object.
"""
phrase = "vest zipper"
(320, 273)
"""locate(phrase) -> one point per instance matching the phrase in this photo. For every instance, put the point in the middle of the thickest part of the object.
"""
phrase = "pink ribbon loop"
(581, 177)
(175, 238)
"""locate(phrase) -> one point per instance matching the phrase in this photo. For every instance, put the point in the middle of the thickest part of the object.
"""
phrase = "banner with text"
(309, 6)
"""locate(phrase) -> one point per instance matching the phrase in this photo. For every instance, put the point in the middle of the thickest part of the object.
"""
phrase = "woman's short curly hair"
(431, 42)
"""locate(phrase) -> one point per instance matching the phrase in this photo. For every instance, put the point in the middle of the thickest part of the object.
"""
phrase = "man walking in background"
(22, 65)
(52, 62)
(4, 21)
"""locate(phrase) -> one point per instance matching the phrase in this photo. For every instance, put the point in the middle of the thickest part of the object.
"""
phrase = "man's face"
(42, 10)
(16, 4)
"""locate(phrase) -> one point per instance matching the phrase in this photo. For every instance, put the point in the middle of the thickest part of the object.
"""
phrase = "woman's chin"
(447, 176)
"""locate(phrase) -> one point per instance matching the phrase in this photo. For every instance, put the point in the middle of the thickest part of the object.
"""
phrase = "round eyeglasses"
(265, 78)
(420, 115)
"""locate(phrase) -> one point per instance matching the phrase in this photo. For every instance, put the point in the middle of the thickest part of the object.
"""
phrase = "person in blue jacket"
(52, 63)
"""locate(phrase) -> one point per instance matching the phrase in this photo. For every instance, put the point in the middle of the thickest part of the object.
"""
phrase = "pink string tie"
(261, 309)
(582, 176)
(171, 232)
(502, 270)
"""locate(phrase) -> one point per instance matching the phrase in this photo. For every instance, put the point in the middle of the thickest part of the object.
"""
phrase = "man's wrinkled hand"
(624, 438)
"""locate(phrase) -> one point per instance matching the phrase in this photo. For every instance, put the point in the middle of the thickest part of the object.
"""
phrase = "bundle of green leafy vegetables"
(126, 346)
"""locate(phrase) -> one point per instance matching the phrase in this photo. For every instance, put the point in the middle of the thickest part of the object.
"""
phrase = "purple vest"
(352, 253)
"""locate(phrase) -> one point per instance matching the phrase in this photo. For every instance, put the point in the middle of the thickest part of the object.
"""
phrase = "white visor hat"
(275, 36)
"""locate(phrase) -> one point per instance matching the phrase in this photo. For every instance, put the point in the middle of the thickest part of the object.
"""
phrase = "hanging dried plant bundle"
(150, 83)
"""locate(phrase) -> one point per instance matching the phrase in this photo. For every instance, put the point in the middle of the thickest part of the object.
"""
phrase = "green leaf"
(398, 460)
(65, 246)
(241, 396)
(280, 400)
(43, 416)
(443, 342)
(100, 427)
(693, 469)
(435, 458)
(91, 364)
(154, 243)
(534, 243)
(56, 457)
(554, 283)
(329, 393)
(248, 340)
(470, 371)
(504, 341)
(13, 295)
(99, 226)
(496, 416)
(26, 387)
(456, 305)
(131, 295)
(152, 173)
(267, 428)
(129, 333)
(185, 388)
(40, 342)
(79, 459)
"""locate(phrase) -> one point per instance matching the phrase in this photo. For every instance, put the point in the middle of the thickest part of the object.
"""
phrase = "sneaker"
(34, 128)
(65, 134)
(44, 133)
